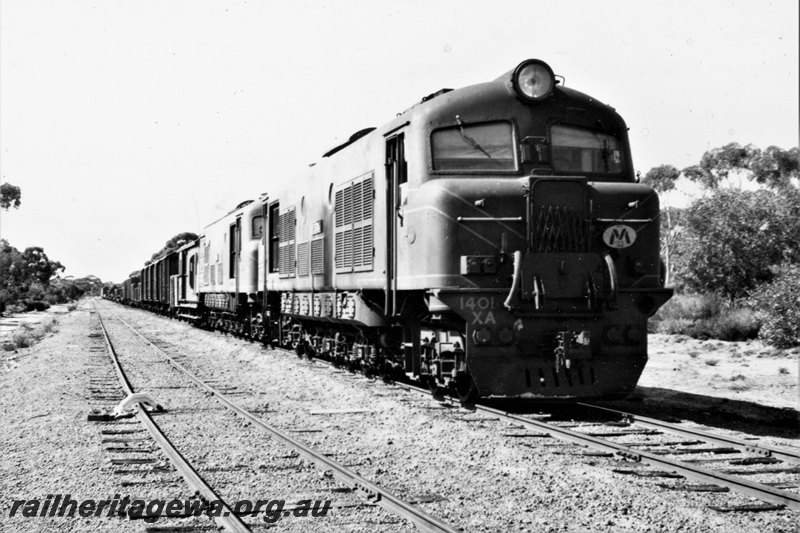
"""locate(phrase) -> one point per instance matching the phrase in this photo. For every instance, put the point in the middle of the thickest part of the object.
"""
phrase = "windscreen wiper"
(472, 142)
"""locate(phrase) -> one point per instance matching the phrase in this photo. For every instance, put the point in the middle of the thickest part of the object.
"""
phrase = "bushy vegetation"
(703, 316)
(28, 335)
(733, 255)
(10, 196)
(29, 280)
(733, 240)
(174, 243)
(779, 302)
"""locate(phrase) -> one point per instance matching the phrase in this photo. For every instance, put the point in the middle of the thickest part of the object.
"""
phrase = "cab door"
(396, 175)
(235, 249)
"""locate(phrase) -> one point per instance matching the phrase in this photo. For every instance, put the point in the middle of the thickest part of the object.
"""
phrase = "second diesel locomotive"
(491, 240)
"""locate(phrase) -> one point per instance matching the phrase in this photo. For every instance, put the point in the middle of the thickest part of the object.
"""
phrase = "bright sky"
(125, 123)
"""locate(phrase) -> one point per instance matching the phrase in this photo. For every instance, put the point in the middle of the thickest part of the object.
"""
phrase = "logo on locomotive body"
(619, 236)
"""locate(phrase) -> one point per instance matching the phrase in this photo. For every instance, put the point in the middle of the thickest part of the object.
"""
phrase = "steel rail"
(373, 492)
(784, 454)
(762, 492)
(227, 518)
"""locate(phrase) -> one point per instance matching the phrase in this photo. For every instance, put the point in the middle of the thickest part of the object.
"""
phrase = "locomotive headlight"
(533, 80)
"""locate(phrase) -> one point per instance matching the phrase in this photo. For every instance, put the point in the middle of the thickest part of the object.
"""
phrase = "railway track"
(370, 492)
(228, 519)
(628, 424)
(625, 424)
(612, 434)
(756, 454)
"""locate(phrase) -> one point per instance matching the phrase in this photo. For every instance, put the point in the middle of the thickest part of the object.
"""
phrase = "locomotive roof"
(240, 208)
(475, 100)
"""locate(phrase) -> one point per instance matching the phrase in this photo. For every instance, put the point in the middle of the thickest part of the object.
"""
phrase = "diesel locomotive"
(491, 240)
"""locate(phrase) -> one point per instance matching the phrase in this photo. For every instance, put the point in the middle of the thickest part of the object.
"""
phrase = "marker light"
(534, 80)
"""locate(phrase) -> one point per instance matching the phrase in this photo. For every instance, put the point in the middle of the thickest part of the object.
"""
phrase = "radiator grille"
(302, 259)
(286, 246)
(317, 256)
(559, 229)
(353, 234)
(558, 220)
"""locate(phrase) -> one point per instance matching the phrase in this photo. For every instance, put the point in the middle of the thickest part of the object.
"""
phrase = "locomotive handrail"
(509, 303)
(631, 220)
(612, 277)
(490, 219)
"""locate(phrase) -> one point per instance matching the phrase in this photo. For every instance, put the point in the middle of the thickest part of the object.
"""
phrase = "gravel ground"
(479, 478)
(738, 371)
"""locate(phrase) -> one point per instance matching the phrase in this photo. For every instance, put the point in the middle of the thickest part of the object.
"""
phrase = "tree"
(11, 271)
(776, 168)
(662, 179)
(10, 196)
(773, 167)
(736, 239)
(717, 164)
(39, 267)
(29, 278)
(174, 243)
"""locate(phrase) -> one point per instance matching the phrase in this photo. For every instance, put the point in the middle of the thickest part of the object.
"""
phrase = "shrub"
(690, 306)
(36, 305)
(681, 312)
(28, 335)
(48, 325)
(729, 325)
(741, 386)
(22, 338)
(734, 238)
(706, 317)
(779, 302)
(671, 326)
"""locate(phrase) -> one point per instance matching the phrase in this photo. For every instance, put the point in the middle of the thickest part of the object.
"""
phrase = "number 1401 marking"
(480, 308)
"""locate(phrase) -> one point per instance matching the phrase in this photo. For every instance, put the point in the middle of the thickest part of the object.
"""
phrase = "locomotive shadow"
(746, 417)
(673, 406)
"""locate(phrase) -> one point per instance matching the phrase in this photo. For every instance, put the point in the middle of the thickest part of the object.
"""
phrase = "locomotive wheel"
(466, 390)
(309, 352)
(368, 370)
(386, 372)
(437, 391)
(300, 349)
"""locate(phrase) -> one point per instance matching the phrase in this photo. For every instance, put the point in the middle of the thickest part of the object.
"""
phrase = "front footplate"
(533, 351)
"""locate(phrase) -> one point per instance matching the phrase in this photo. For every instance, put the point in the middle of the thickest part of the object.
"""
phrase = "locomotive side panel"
(228, 259)
(337, 220)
